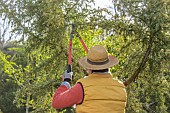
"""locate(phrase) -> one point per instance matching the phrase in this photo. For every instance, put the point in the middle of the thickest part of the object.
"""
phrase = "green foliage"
(8, 86)
(137, 32)
(145, 47)
(7, 91)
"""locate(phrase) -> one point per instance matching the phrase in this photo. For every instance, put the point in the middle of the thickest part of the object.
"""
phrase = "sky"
(102, 3)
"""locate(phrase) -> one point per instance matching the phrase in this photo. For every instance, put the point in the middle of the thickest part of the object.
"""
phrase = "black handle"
(68, 71)
(69, 68)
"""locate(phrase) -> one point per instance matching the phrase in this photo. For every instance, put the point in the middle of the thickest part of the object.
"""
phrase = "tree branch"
(142, 64)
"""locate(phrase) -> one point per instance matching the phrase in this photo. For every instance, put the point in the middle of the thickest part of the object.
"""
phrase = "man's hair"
(102, 71)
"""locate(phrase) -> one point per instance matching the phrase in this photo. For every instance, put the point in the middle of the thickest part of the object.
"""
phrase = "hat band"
(97, 63)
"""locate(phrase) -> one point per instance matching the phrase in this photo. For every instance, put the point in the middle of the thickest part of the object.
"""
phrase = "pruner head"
(73, 26)
(73, 31)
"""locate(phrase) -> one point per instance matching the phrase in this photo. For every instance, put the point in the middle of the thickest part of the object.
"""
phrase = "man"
(97, 93)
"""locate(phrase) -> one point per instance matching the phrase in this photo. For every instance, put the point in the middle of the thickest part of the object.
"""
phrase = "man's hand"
(67, 76)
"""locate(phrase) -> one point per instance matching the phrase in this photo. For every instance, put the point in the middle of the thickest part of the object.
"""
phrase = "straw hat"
(98, 59)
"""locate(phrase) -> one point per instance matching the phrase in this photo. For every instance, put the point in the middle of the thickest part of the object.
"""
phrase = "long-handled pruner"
(71, 44)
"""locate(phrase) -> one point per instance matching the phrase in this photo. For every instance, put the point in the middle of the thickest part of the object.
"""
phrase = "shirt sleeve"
(65, 97)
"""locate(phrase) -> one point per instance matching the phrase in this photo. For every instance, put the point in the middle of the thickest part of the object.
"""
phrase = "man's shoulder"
(118, 82)
(82, 79)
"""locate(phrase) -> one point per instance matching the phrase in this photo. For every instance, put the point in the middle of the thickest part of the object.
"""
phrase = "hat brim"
(112, 61)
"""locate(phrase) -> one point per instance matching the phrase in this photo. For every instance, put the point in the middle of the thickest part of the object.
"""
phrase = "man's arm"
(65, 97)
